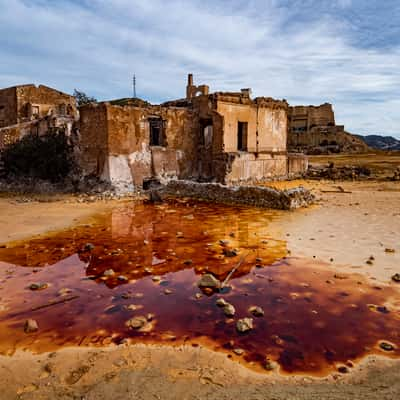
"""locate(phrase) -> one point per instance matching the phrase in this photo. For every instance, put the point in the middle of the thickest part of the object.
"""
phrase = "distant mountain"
(381, 142)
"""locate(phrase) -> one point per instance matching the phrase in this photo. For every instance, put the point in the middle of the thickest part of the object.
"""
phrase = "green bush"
(47, 157)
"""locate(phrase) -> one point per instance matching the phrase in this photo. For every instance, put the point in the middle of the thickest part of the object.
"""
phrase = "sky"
(345, 52)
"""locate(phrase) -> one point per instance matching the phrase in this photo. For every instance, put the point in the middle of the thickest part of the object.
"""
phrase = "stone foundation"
(251, 195)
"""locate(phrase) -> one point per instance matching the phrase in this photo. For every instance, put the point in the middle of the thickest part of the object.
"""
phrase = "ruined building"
(312, 129)
(224, 137)
(34, 109)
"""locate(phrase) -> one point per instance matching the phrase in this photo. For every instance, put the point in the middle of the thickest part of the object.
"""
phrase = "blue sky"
(346, 52)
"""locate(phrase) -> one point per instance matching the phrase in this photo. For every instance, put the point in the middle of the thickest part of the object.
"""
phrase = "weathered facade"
(224, 137)
(34, 109)
(312, 129)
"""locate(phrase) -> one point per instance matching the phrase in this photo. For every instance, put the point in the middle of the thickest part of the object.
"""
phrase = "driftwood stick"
(234, 269)
(54, 302)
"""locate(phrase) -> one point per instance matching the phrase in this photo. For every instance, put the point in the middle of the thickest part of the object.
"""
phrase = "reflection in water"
(145, 261)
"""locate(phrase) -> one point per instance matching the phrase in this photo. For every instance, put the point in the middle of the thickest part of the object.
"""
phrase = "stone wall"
(252, 195)
(123, 145)
(8, 107)
(48, 100)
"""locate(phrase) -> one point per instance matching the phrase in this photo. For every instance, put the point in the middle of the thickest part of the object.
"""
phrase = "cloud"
(305, 51)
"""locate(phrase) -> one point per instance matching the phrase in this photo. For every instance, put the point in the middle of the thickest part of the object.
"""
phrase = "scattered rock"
(209, 281)
(64, 291)
(386, 346)
(229, 252)
(188, 262)
(136, 322)
(122, 278)
(396, 277)
(168, 291)
(389, 250)
(156, 278)
(145, 242)
(238, 351)
(38, 286)
(229, 310)
(88, 247)
(269, 365)
(31, 326)
(244, 325)
(198, 296)
(221, 302)
(256, 311)
(109, 272)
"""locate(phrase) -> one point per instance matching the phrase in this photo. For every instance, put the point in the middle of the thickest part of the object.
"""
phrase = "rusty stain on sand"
(133, 275)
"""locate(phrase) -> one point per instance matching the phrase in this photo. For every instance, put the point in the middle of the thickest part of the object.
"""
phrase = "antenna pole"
(134, 86)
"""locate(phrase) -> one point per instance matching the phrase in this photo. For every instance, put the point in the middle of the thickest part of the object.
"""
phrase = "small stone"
(230, 252)
(64, 291)
(209, 281)
(150, 316)
(198, 296)
(188, 262)
(386, 346)
(88, 247)
(179, 234)
(168, 291)
(109, 272)
(369, 262)
(156, 278)
(269, 365)
(256, 311)
(145, 242)
(396, 277)
(136, 322)
(38, 286)
(244, 325)
(229, 310)
(221, 302)
(238, 351)
(389, 250)
(122, 278)
(224, 242)
(31, 326)
(232, 234)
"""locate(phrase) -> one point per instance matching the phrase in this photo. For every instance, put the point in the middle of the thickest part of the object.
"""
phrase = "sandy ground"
(345, 227)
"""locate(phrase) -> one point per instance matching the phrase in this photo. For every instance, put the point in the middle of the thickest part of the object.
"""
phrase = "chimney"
(190, 80)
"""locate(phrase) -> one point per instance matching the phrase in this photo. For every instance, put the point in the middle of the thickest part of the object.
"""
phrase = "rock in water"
(396, 277)
(229, 310)
(221, 302)
(256, 311)
(244, 325)
(31, 326)
(38, 286)
(209, 281)
(136, 323)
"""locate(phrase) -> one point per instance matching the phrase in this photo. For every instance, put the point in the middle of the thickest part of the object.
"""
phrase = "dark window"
(242, 136)
(156, 132)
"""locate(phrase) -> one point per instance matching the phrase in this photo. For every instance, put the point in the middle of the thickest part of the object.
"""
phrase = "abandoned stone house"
(224, 137)
(312, 129)
(28, 109)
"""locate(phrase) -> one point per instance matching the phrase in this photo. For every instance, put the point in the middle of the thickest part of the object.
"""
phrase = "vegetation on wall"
(82, 98)
(48, 157)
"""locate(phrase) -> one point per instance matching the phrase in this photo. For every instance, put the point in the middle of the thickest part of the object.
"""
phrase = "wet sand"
(338, 228)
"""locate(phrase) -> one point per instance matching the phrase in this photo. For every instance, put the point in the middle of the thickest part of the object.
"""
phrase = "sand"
(345, 227)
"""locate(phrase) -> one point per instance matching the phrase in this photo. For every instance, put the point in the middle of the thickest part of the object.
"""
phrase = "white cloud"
(228, 45)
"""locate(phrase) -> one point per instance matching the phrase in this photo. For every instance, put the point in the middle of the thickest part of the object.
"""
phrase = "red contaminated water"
(315, 321)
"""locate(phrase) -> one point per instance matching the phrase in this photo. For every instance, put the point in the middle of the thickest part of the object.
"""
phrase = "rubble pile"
(346, 172)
